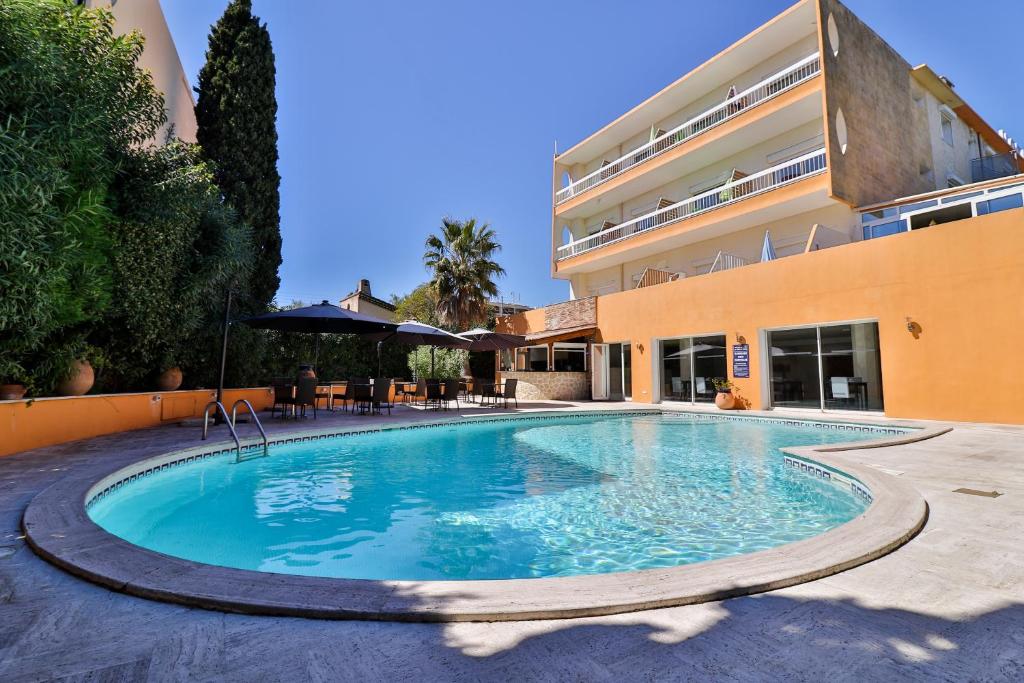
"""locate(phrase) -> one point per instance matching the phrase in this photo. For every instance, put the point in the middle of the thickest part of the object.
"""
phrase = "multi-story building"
(159, 58)
(669, 214)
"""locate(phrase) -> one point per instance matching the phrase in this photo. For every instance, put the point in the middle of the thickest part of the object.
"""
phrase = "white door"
(599, 378)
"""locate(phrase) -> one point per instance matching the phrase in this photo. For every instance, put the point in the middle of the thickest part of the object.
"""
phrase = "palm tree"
(464, 272)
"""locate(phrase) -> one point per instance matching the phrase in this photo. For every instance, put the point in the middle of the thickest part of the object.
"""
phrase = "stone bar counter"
(555, 386)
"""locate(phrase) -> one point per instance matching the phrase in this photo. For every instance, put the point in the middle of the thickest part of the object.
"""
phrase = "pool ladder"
(231, 423)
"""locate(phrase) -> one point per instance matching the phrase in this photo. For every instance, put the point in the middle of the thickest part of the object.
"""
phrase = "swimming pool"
(495, 499)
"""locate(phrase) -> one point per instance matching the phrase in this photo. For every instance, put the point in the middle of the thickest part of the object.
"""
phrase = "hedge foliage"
(71, 103)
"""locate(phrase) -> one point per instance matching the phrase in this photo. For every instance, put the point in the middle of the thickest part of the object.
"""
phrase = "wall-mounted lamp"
(913, 327)
(740, 339)
(640, 348)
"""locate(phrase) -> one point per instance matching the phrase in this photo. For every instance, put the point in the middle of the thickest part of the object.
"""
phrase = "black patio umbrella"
(487, 340)
(321, 318)
(420, 334)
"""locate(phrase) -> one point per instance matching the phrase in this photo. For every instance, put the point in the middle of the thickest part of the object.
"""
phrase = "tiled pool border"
(130, 475)
(57, 526)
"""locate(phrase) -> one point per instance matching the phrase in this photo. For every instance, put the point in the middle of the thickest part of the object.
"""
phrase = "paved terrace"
(949, 605)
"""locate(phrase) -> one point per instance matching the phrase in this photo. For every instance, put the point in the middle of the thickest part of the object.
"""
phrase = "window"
(1013, 201)
(953, 180)
(689, 365)
(947, 130)
(532, 359)
(884, 229)
(570, 357)
(831, 366)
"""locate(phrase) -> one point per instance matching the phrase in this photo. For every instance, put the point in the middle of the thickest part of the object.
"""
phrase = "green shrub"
(72, 102)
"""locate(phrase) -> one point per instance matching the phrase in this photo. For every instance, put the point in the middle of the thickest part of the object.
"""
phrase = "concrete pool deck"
(948, 604)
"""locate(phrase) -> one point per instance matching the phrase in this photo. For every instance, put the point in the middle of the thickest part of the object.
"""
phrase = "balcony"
(767, 89)
(993, 167)
(771, 178)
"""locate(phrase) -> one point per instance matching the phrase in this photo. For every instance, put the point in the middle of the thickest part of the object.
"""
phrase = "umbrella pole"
(316, 355)
(379, 345)
(431, 362)
(217, 418)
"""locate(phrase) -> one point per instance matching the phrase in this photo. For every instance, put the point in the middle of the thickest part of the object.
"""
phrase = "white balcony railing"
(778, 83)
(729, 193)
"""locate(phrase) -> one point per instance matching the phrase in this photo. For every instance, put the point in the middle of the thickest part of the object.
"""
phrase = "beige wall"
(354, 303)
(887, 147)
(160, 58)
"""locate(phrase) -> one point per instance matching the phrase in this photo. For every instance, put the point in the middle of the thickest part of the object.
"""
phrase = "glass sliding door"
(689, 366)
(835, 367)
(627, 371)
(676, 380)
(615, 372)
(708, 365)
(851, 368)
(794, 368)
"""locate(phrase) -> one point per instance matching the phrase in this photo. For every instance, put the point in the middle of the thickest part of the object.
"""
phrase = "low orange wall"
(47, 421)
(960, 282)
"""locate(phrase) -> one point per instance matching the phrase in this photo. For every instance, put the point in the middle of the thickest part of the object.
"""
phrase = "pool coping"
(57, 526)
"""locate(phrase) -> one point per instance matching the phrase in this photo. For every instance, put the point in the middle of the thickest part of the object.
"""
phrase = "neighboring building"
(661, 220)
(160, 58)
(363, 301)
(496, 308)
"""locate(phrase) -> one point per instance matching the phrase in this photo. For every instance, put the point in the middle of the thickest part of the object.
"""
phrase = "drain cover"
(976, 492)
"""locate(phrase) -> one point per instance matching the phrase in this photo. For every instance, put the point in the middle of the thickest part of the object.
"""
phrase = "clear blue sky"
(393, 114)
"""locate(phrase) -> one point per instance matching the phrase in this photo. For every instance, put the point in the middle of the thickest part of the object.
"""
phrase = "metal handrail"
(256, 419)
(729, 193)
(206, 424)
(770, 87)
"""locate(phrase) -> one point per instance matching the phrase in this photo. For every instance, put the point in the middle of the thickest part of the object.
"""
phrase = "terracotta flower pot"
(80, 380)
(11, 392)
(169, 380)
(725, 400)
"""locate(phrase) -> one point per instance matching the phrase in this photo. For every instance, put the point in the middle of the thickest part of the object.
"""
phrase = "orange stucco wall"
(960, 282)
(48, 421)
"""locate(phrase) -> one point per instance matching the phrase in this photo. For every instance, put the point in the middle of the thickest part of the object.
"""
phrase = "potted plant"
(170, 379)
(80, 374)
(724, 398)
(12, 381)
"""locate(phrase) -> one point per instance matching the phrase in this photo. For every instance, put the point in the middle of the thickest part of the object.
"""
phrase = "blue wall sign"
(741, 360)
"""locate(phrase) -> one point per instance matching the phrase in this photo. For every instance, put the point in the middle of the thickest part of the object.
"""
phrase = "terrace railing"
(995, 166)
(775, 84)
(787, 172)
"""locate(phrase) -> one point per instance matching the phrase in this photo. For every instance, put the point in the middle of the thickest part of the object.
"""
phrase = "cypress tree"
(236, 110)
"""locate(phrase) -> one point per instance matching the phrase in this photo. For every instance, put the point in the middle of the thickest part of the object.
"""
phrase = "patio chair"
(381, 395)
(465, 387)
(400, 390)
(433, 393)
(451, 393)
(283, 396)
(420, 392)
(362, 395)
(507, 392)
(305, 395)
(487, 391)
(346, 395)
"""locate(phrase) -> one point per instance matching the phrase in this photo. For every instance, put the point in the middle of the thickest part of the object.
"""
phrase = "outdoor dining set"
(368, 396)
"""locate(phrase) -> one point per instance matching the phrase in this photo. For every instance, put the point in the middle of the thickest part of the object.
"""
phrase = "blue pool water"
(497, 500)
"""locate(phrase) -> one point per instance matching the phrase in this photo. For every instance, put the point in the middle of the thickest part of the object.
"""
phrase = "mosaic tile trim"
(300, 438)
(816, 469)
(820, 424)
(248, 448)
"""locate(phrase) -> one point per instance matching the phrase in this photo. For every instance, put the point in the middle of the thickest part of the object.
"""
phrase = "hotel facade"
(807, 215)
